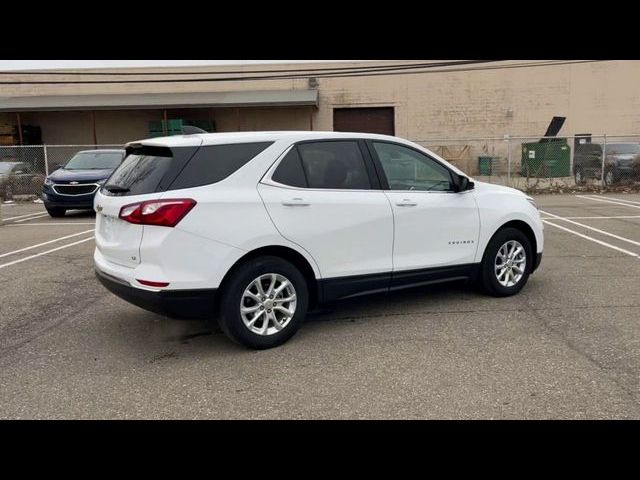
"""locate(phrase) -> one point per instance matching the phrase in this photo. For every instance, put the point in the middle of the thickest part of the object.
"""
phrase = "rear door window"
(334, 165)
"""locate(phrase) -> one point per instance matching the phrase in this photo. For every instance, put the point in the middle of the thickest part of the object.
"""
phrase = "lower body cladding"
(186, 304)
(201, 303)
(331, 289)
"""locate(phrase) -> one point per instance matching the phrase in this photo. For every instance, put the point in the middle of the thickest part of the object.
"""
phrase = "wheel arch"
(525, 228)
(287, 253)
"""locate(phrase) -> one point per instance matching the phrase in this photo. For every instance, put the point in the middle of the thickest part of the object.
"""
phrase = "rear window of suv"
(623, 148)
(140, 172)
(157, 169)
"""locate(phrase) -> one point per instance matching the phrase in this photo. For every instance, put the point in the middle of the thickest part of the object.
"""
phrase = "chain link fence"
(531, 164)
(23, 168)
(547, 164)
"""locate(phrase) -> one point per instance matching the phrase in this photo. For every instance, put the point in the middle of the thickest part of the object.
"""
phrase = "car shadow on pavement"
(179, 338)
(418, 297)
(443, 296)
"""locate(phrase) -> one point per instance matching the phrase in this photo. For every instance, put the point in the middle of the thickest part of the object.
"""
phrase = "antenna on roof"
(191, 130)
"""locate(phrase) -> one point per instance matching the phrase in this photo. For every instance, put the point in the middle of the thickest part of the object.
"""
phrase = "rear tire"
(505, 269)
(242, 299)
(56, 212)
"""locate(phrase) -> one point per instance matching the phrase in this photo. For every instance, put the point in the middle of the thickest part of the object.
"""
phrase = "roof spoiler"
(191, 130)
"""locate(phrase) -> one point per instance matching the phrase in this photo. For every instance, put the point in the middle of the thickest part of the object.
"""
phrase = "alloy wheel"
(268, 304)
(510, 263)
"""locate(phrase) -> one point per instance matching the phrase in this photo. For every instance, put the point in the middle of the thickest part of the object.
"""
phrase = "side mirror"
(463, 184)
(58, 165)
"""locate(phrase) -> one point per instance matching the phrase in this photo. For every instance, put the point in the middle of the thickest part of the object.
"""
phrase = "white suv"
(256, 228)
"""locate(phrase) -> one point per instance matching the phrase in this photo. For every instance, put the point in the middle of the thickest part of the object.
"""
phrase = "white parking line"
(607, 201)
(31, 218)
(617, 237)
(572, 218)
(22, 216)
(587, 237)
(44, 243)
(619, 199)
(45, 253)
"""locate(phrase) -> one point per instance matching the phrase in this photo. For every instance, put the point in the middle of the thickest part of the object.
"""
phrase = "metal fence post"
(509, 159)
(604, 157)
(572, 151)
(46, 161)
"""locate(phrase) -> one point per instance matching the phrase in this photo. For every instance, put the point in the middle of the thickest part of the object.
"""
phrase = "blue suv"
(74, 185)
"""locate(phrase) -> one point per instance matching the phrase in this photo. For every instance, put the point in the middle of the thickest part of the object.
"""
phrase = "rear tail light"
(163, 213)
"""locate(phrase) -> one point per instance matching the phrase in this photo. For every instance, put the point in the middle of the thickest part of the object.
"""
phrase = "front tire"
(506, 263)
(56, 212)
(263, 302)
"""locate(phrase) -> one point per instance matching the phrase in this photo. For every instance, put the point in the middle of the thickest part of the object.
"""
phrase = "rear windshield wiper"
(116, 188)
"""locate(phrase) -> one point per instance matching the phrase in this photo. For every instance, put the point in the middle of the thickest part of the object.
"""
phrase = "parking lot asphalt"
(568, 346)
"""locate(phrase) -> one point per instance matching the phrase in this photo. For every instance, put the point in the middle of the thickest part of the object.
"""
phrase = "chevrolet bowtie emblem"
(73, 183)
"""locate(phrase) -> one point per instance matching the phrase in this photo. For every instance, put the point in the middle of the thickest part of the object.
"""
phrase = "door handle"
(406, 203)
(295, 202)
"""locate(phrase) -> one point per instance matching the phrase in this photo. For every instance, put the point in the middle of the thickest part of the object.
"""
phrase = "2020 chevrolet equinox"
(256, 228)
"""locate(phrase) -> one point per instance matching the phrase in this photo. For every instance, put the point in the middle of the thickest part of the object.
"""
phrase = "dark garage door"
(364, 120)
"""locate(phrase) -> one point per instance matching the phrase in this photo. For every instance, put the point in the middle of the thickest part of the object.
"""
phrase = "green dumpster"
(546, 159)
(484, 165)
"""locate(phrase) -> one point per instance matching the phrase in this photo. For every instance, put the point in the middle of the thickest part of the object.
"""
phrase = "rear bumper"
(187, 304)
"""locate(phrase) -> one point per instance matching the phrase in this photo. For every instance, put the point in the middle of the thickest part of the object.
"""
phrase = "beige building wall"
(596, 98)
